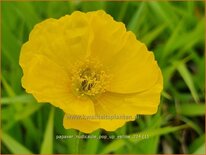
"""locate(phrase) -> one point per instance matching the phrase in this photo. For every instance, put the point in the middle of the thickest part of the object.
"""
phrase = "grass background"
(175, 31)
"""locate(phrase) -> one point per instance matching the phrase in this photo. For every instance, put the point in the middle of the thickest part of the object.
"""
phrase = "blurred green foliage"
(174, 31)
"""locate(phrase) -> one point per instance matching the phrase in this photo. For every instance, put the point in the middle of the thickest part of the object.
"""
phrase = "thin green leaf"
(13, 145)
(71, 143)
(27, 111)
(132, 26)
(166, 95)
(157, 132)
(92, 6)
(192, 124)
(21, 114)
(7, 87)
(196, 143)
(152, 35)
(200, 149)
(27, 12)
(191, 109)
(161, 13)
(8, 37)
(47, 144)
(172, 39)
(122, 11)
(188, 80)
(26, 98)
(190, 40)
(92, 144)
(117, 144)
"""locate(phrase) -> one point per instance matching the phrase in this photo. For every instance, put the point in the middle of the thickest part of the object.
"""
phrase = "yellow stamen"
(88, 78)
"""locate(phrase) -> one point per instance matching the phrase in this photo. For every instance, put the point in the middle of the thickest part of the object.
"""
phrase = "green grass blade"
(196, 143)
(71, 143)
(152, 35)
(27, 12)
(27, 111)
(188, 80)
(47, 145)
(117, 144)
(113, 146)
(25, 98)
(200, 149)
(157, 132)
(132, 26)
(191, 109)
(190, 7)
(13, 145)
(185, 42)
(92, 6)
(159, 11)
(188, 41)
(92, 144)
(166, 95)
(192, 124)
(7, 87)
(172, 40)
(122, 11)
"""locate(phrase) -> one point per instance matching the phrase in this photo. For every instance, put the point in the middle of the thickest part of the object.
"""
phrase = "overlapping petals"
(55, 45)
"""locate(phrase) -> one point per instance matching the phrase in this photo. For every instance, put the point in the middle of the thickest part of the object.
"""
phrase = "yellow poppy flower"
(88, 64)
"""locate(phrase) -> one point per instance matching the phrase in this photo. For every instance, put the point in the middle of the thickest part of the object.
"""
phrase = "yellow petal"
(64, 41)
(130, 104)
(109, 36)
(74, 105)
(113, 124)
(132, 66)
(85, 126)
(134, 69)
(48, 82)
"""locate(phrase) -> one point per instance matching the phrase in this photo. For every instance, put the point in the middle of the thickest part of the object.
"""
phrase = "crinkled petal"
(145, 103)
(134, 69)
(132, 66)
(109, 36)
(64, 41)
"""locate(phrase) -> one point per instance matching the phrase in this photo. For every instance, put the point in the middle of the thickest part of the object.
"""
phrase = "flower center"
(88, 78)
